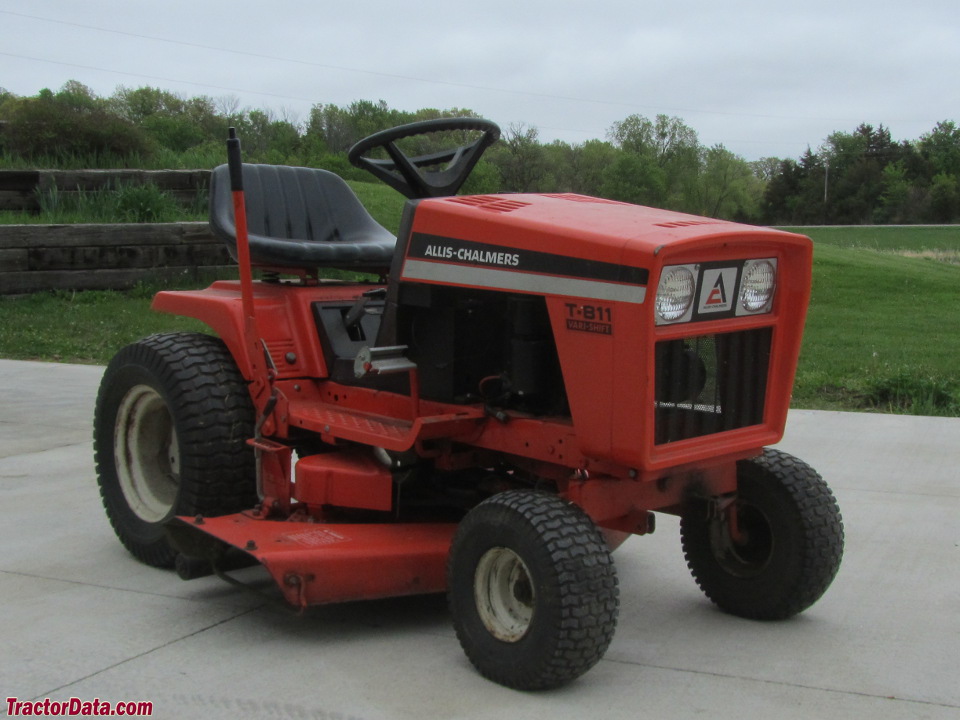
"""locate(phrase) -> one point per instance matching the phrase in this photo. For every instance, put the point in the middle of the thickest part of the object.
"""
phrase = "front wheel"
(172, 419)
(772, 550)
(533, 590)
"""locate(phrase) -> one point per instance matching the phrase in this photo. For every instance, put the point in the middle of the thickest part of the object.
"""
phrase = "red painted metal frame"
(603, 457)
(609, 378)
(315, 564)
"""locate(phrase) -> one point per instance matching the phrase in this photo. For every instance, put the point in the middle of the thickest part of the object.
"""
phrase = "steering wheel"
(404, 173)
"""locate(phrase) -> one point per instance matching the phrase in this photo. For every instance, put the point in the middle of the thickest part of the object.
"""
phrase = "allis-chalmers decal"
(432, 258)
(717, 290)
(480, 257)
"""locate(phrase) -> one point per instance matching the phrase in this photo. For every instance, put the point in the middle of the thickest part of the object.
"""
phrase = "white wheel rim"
(504, 594)
(147, 454)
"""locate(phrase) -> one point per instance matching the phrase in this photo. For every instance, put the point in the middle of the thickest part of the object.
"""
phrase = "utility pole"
(826, 178)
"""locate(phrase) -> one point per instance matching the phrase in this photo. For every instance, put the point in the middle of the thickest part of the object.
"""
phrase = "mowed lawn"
(884, 310)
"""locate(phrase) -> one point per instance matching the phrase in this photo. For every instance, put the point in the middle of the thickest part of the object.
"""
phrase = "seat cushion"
(300, 218)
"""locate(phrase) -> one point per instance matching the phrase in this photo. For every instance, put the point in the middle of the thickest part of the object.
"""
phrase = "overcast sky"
(762, 77)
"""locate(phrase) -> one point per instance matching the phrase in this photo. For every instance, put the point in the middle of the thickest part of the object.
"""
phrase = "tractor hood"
(560, 244)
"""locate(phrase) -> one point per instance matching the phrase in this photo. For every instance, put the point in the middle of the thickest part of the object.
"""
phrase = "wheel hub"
(504, 594)
(147, 454)
(746, 551)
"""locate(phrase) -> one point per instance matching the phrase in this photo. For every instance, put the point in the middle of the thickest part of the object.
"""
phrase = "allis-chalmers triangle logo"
(717, 290)
(717, 296)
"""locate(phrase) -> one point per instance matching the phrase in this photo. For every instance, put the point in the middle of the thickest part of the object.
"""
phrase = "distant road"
(947, 225)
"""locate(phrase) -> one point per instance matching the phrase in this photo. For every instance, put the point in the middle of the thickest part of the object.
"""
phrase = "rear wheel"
(772, 550)
(172, 419)
(533, 590)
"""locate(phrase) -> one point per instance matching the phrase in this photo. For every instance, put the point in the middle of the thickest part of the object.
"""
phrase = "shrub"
(44, 126)
(912, 391)
(145, 203)
(123, 203)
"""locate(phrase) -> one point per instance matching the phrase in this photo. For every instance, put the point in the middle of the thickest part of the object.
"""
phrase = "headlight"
(675, 293)
(756, 288)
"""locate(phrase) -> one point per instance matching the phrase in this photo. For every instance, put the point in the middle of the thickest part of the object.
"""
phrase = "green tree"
(794, 196)
(666, 139)
(173, 133)
(781, 188)
(944, 199)
(766, 168)
(484, 179)
(894, 204)
(589, 163)
(138, 104)
(941, 148)
(70, 124)
(173, 121)
(727, 186)
(330, 125)
(856, 163)
(672, 146)
(340, 127)
(557, 167)
(519, 157)
(636, 179)
(266, 138)
(77, 97)
(6, 97)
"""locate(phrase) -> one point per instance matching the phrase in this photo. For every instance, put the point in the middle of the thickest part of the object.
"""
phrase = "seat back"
(300, 218)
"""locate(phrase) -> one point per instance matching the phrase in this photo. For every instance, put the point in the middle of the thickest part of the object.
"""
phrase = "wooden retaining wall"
(19, 188)
(104, 257)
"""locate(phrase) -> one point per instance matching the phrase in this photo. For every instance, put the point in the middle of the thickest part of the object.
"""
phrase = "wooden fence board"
(102, 279)
(83, 257)
(113, 234)
(13, 260)
(19, 180)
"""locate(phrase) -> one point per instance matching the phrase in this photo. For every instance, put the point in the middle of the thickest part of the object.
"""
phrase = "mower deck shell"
(317, 564)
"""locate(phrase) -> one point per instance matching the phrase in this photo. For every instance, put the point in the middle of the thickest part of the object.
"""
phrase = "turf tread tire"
(212, 416)
(808, 531)
(572, 571)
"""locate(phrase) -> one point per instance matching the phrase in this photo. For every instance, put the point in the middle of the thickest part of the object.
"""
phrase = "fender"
(285, 320)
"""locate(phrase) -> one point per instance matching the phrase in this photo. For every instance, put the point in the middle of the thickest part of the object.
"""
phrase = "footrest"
(378, 430)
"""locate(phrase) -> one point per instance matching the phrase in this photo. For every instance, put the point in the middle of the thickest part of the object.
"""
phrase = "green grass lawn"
(82, 327)
(384, 203)
(883, 331)
(895, 238)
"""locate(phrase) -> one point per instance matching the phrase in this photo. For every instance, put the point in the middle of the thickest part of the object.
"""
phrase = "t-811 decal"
(596, 319)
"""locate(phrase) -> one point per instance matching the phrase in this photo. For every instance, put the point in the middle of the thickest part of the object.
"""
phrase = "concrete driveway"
(82, 619)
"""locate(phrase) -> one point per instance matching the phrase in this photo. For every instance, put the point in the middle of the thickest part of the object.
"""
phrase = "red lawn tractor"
(530, 377)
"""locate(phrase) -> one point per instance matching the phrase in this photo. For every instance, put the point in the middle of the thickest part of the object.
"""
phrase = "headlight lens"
(675, 293)
(759, 282)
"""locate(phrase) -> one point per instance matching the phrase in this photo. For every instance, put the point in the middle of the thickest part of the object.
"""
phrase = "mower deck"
(318, 563)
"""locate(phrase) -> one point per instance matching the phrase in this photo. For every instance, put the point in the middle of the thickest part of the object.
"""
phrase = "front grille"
(710, 384)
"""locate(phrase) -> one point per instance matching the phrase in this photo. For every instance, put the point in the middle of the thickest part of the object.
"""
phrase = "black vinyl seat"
(300, 218)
